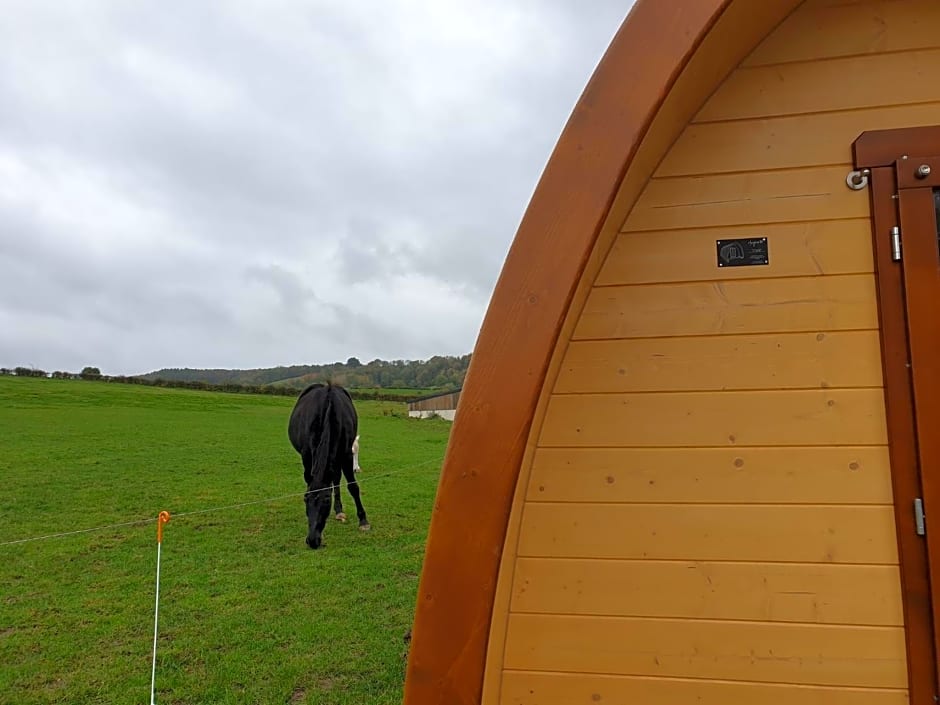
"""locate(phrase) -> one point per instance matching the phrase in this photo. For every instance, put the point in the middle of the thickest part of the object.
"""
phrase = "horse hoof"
(365, 527)
(341, 517)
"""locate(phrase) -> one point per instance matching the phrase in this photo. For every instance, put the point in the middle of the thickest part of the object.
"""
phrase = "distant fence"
(435, 402)
(227, 387)
(442, 404)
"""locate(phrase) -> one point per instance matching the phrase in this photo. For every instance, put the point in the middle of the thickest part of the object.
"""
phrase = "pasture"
(248, 614)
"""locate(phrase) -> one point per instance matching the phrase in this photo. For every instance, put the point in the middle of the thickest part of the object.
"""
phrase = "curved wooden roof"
(558, 233)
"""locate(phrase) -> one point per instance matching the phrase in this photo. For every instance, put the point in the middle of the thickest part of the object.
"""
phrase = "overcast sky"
(252, 183)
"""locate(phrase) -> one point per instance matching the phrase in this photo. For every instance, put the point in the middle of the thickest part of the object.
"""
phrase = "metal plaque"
(744, 252)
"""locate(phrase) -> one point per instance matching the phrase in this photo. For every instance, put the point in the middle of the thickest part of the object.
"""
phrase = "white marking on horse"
(355, 450)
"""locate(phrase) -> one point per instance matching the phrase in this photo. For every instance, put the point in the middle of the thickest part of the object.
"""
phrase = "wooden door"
(902, 168)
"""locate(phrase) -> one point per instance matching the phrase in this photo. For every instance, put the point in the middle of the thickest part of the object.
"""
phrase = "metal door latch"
(919, 517)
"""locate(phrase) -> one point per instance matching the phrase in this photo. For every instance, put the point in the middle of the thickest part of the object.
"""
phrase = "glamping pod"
(696, 458)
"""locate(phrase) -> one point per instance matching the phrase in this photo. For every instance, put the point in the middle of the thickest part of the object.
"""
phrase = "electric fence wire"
(148, 520)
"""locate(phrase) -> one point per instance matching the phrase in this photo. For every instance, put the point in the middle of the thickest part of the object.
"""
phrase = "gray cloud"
(248, 183)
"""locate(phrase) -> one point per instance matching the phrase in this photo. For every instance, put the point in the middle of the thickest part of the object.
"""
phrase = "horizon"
(104, 373)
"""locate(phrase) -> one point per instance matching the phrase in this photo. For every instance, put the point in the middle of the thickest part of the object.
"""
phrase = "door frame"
(875, 156)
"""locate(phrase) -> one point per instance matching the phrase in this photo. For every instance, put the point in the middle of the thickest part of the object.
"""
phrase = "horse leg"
(337, 501)
(353, 488)
(307, 458)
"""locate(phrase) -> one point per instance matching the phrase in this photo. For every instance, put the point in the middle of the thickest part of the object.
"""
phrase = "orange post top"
(161, 520)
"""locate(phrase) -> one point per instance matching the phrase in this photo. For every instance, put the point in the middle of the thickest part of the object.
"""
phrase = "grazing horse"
(322, 427)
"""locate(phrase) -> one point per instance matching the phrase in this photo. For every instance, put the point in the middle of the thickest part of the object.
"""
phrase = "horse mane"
(311, 387)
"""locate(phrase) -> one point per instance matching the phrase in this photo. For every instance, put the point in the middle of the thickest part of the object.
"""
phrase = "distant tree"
(90, 373)
(437, 372)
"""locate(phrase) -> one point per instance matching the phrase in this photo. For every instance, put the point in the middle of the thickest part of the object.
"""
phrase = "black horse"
(322, 428)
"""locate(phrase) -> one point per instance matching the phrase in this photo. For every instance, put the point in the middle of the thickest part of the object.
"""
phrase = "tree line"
(377, 380)
(438, 372)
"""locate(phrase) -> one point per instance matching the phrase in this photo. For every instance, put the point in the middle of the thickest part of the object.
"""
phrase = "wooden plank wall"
(438, 403)
(709, 514)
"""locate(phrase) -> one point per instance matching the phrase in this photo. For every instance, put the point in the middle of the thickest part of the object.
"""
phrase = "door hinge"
(920, 519)
(895, 244)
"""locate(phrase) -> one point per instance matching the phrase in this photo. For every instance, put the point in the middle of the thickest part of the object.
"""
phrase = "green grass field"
(248, 614)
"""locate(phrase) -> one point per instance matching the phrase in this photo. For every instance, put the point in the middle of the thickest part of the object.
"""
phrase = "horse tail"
(321, 454)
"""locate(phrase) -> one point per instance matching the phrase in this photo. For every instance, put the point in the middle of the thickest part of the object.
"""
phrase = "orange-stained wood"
(876, 150)
(755, 475)
(796, 304)
(884, 147)
(712, 532)
(726, 419)
(731, 38)
(827, 29)
(821, 86)
(568, 208)
(723, 363)
(804, 593)
(709, 650)
(786, 196)
(797, 141)
(534, 688)
(921, 268)
(820, 248)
